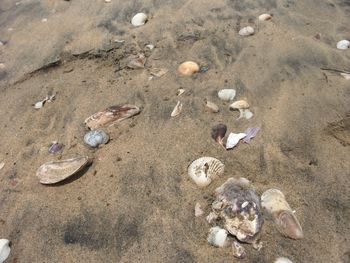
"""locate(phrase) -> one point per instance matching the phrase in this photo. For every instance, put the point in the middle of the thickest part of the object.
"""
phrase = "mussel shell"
(96, 137)
(204, 170)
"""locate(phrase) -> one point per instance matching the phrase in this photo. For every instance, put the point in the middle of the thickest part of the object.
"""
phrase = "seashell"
(246, 31)
(204, 170)
(239, 209)
(55, 147)
(227, 94)
(150, 46)
(198, 210)
(2, 164)
(111, 115)
(251, 133)
(265, 17)
(96, 137)
(343, 44)
(345, 75)
(211, 217)
(233, 139)
(158, 72)
(180, 92)
(39, 104)
(107, 1)
(239, 104)
(274, 202)
(218, 133)
(188, 68)
(4, 249)
(211, 106)
(56, 171)
(245, 113)
(136, 62)
(2, 66)
(177, 110)
(282, 260)
(238, 250)
(217, 237)
(139, 19)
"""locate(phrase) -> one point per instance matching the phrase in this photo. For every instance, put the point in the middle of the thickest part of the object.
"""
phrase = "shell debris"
(177, 110)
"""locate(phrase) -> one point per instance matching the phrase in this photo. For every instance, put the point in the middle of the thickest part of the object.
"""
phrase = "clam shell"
(274, 202)
(265, 17)
(96, 137)
(227, 94)
(188, 68)
(211, 106)
(56, 171)
(4, 249)
(239, 104)
(139, 19)
(343, 44)
(204, 170)
(111, 115)
(246, 31)
(217, 237)
(177, 110)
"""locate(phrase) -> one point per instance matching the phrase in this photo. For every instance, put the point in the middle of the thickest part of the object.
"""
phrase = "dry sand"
(136, 202)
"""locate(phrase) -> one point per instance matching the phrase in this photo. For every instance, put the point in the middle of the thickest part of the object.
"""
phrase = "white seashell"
(44, 20)
(274, 202)
(265, 17)
(139, 19)
(4, 249)
(180, 92)
(204, 170)
(246, 31)
(227, 94)
(107, 1)
(2, 164)
(343, 44)
(211, 106)
(217, 237)
(2, 66)
(39, 104)
(177, 110)
(282, 260)
(188, 68)
(233, 139)
(345, 75)
(238, 250)
(150, 46)
(239, 104)
(198, 210)
(245, 113)
(211, 217)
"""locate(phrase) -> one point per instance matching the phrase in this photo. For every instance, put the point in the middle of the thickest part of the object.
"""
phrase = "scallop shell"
(274, 202)
(4, 249)
(343, 44)
(204, 170)
(227, 94)
(139, 19)
(188, 68)
(246, 31)
(96, 137)
(239, 104)
(177, 110)
(211, 106)
(265, 17)
(56, 171)
(111, 115)
(217, 237)
(238, 206)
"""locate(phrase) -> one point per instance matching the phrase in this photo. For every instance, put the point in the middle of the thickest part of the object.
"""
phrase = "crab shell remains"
(111, 115)
(204, 170)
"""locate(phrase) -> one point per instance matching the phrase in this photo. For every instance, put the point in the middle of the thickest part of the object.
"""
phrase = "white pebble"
(246, 31)
(343, 44)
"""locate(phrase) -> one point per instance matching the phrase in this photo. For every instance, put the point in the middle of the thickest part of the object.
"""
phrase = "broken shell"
(245, 113)
(233, 139)
(239, 104)
(218, 133)
(96, 137)
(211, 217)
(56, 171)
(158, 72)
(198, 210)
(177, 110)
(282, 260)
(2, 164)
(136, 62)
(227, 94)
(188, 68)
(343, 44)
(217, 237)
(238, 250)
(55, 147)
(211, 106)
(111, 115)
(4, 249)
(150, 46)
(240, 209)
(274, 202)
(345, 75)
(265, 17)
(180, 92)
(204, 170)
(251, 133)
(139, 19)
(246, 31)
(39, 104)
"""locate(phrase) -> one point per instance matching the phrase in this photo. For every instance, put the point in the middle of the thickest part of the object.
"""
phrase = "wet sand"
(136, 202)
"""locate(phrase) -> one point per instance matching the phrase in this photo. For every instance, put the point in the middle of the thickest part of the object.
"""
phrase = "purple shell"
(251, 133)
(55, 147)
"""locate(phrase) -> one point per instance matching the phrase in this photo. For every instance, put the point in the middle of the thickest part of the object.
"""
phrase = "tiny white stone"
(343, 44)
(150, 46)
(282, 260)
(139, 19)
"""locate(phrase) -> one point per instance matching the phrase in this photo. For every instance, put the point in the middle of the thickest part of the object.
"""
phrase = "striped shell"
(204, 170)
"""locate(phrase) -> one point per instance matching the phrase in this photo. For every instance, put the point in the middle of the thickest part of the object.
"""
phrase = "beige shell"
(177, 110)
(239, 104)
(265, 17)
(246, 31)
(274, 202)
(188, 68)
(204, 170)
(56, 171)
(211, 106)
(111, 115)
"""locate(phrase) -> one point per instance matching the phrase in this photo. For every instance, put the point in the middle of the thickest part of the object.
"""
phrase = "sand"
(136, 202)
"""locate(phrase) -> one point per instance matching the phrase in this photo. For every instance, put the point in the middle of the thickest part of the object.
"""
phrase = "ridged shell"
(204, 170)
(239, 104)
(111, 116)
(56, 171)
(274, 202)
(227, 94)
(188, 68)
(4, 249)
(246, 31)
(139, 19)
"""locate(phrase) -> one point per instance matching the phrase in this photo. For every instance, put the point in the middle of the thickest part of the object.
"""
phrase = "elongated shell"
(56, 171)
(227, 94)
(246, 31)
(274, 202)
(4, 249)
(188, 68)
(111, 116)
(177, 110)
(239, 104)
(265, 17)
(139, 19)
(204, 170)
